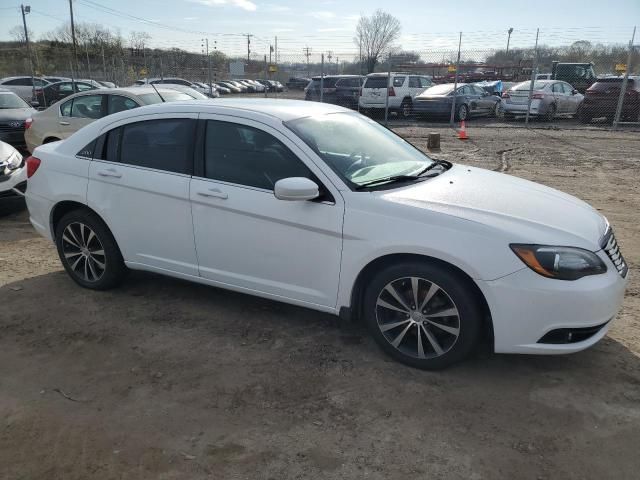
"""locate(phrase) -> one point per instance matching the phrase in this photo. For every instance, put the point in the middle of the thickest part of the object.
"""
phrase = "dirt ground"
(162, 379)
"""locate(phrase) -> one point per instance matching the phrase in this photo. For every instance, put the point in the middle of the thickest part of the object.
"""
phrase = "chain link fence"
(581, 84)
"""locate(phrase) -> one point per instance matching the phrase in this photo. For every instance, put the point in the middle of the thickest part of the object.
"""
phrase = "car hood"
(524, 211)
(9, 114)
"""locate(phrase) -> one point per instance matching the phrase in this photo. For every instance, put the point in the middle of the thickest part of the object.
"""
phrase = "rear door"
(84, 110)
(560, 97)
(139, 183)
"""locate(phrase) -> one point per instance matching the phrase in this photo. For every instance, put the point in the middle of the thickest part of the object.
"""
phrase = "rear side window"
(87, 151)
(398, 81)
(414, 82)
(19, 82)
(376, 82)
(88, 106)
(158, 144)
(65, 108)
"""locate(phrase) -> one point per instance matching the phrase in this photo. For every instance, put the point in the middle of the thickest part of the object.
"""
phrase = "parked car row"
(42, 91)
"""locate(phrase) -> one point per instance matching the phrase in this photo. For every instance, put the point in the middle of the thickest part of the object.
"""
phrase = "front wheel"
(423, 315)
(406, 109)
(551, 113)
(88, 251)
(463, 112)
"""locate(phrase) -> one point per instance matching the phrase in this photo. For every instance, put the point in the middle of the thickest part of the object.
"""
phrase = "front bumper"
(526, 307)
(13, 187)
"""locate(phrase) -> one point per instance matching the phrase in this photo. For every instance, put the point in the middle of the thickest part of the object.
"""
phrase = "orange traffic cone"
(462, 132)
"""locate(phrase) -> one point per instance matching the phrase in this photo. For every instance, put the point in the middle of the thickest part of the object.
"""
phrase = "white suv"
(402, 89)
(318, 206)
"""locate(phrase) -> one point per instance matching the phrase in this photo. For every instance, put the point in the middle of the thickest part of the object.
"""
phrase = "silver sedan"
(549, 98)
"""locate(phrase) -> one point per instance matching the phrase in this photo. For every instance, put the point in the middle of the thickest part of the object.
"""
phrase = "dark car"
(341, 90)
(13, 113)
(50, 94)
(580, 75)
(601, 100)
(297, 83)
(471, 100)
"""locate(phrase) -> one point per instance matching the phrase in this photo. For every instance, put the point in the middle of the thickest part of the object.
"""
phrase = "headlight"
(562, 263)
(15, 160)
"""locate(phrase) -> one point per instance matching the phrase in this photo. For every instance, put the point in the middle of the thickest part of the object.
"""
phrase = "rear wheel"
(583, 116)
(423, 315)
(551, 113)
(88, 251)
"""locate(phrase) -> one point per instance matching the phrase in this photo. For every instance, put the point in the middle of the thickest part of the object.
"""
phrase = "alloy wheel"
(417, 317)
(462, 112)
(83, 252)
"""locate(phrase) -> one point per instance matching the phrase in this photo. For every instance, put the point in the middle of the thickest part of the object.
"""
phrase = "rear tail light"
(392, 92)
(33, 163)
(27, 123)
(506, 95)
(537, 96)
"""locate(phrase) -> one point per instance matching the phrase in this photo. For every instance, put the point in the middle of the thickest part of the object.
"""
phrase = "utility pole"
(509, 32)
(86, 51)
(104, 65)
(307, 53)
(276, 52)
(329, 57)
(26, 10)
(248, 49)
(73, 38)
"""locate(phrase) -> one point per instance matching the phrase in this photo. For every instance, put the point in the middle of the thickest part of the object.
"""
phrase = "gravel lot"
(161, 379)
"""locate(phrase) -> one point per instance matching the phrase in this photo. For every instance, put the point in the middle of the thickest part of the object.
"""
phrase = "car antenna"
(154, 87)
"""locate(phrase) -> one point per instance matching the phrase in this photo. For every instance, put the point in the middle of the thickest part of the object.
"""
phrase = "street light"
(510, 31)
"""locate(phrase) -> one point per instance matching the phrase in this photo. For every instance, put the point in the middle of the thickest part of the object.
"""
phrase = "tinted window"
(398, 81)
(247, 156)
(376, 82)
(19, 82)
(160, 144)
(477, 90)
(87, 152)
(329, 82)
(557, 88)
(425, 82)
(65, 108)
(112, 145)
(87, 106)
(168, 96)
(63, 87)
(568, 89)
(118, 103)
(414, 82)
(83, 87)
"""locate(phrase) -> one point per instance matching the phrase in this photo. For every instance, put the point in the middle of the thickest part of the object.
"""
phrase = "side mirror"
(35, 103)
(296, 188)
(574, 92)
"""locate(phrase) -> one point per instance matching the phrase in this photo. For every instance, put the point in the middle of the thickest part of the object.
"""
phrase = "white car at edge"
(318, 206)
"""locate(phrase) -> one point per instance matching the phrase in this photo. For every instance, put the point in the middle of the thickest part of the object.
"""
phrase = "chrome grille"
(610, 246)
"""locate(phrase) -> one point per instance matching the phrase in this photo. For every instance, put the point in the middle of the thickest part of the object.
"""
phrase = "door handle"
(109, 173)
(215, 193)
(64, 123)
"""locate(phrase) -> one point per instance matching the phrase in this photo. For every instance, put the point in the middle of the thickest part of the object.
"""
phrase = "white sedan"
(318, 206)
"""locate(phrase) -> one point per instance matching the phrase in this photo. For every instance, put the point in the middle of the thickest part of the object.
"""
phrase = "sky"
(329, 25)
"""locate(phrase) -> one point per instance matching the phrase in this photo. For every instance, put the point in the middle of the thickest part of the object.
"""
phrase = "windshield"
(150, 98)
(445, 89)
(359, 149)
(11, 100)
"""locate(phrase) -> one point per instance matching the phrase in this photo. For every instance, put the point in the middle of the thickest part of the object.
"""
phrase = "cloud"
(282, 30)
(276, 8)
(332, 29)
(322, 15)
(243, 4)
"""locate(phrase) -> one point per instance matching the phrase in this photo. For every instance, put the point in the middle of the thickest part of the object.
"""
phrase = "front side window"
(425, 82)
(118, 103)
(247, 156)
(83, 87)
(557, 88)
(357, 148)
(88, 106)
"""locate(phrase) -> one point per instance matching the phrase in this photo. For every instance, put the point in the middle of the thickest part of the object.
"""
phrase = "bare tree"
(375, 36)
(17, 33)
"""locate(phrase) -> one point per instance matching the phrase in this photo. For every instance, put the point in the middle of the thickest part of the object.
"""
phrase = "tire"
(497, 111)
(401, 329)
(406, 108)
(584, 117)
(462, 113)
(88, 251)
(550, 114)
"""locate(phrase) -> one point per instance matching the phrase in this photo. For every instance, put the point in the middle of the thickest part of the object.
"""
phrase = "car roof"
(317, 77)
(386, 74)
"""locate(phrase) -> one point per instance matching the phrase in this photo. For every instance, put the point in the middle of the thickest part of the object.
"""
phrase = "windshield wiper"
(402, 178)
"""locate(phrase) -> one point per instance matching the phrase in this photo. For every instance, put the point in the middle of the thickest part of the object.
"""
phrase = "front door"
(139, 183)
(247, 238)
